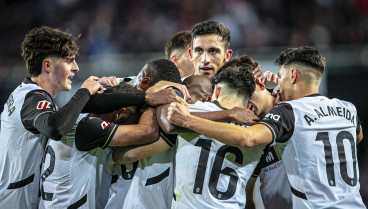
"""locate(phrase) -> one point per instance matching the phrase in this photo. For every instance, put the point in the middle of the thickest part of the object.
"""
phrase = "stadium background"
(119, 37)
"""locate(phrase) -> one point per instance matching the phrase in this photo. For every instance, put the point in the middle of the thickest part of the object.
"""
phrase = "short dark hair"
(304, 55)
(212, 27)
(180, 40)
(131, 110)
(121, 88)
(163, 70)
(45, 41)
(238, 78)
(245, 61)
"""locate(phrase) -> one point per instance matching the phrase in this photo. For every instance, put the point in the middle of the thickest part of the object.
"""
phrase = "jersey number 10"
(323, 136)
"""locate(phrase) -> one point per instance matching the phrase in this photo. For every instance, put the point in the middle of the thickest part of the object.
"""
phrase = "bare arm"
(229, 134)
(126, 155)
(237, 115)
(146, 131)
(165, 124)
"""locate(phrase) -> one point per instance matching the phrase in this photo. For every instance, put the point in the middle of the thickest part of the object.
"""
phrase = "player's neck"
(269, 102)
(46, 84)
(304, 90)
(229, 103)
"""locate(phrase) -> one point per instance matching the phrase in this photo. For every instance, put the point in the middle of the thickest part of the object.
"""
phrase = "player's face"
(256, 101)
(63, 71)
(198, 95)
(261, 101)
(284, 84)
(208, 54)
(185, 64)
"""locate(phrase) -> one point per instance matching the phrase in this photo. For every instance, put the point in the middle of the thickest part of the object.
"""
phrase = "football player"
(319, 134)
(30, 116)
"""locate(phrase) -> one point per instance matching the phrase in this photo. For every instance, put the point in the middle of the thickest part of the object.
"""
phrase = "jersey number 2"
(216, 170)
(46, 195)
(323, 136)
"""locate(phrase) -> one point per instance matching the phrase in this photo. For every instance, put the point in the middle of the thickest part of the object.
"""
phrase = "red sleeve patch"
(104, 124)
(44, 104)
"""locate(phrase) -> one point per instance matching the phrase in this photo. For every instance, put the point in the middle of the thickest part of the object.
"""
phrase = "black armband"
(178, 91)
(170, 139)
(108, 102)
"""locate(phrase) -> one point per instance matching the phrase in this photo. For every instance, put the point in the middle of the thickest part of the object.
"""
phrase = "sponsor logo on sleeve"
(104, 124)
(44, 104)
(274, 117)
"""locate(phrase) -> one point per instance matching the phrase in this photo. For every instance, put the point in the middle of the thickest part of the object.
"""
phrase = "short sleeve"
(93, 132)
(280, 120)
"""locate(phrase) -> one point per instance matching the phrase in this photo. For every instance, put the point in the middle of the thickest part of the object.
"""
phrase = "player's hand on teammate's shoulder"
(162, 97)
(165, 84)
(92, 85)
(178, 112)
(243, 116)
(161, 93)
(109, 81)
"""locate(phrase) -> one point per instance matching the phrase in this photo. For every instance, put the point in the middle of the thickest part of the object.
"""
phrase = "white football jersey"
(20, 152)
(210, 174)
(147, 183)
(319, 152)
(72, 178)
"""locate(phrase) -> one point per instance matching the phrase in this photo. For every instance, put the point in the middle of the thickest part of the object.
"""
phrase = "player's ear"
(174, 59)
(228, 54)
(120, 112)
(47, 64)
(260, 84)
(145, 83)
(190, 53)
(294, 75)
(216, 92)
(206, 98)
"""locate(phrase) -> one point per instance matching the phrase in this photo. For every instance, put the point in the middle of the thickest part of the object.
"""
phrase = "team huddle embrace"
(194, 130)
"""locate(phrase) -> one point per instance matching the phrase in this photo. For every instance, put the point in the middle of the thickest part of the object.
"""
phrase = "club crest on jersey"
(104, 124)
(44, 104)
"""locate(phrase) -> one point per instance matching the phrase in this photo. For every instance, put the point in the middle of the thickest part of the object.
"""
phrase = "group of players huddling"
(194, 130)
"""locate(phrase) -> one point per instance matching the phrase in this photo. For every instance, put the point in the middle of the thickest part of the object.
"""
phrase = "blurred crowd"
(113, 26)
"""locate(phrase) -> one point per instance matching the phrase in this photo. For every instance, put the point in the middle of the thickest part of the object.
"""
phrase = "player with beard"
(228, 94)
(317, 133)
(210, 47)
